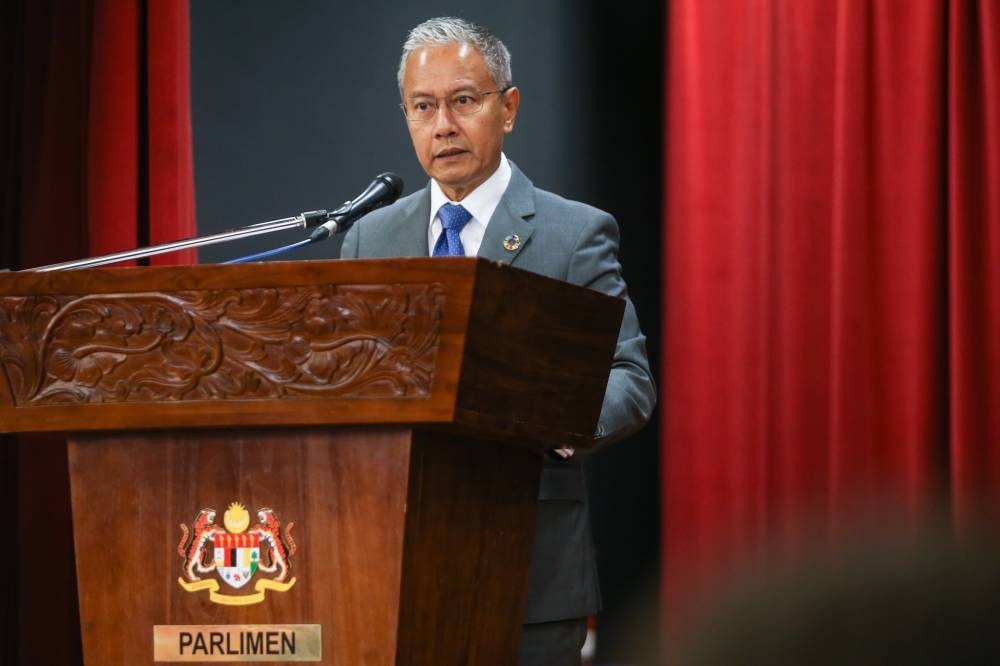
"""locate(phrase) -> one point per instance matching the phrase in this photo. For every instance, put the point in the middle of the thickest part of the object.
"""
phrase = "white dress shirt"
(480, 202)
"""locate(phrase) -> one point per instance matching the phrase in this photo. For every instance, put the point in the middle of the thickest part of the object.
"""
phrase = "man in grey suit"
(459, 102)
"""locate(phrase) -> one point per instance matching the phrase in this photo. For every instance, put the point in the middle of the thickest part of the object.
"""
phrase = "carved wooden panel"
(344, 341)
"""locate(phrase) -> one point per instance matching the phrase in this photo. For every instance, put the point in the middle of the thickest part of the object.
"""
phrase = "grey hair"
(450, 30)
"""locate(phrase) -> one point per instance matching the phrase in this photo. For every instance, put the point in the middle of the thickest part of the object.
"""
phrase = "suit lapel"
(408, 233)
(510, 220)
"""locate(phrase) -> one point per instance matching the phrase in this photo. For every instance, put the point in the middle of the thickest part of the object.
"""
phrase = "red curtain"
(106, 151)
(98, 132)
(832, 275)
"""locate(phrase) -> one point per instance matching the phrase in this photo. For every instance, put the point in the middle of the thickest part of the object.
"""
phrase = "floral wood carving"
(356, 341)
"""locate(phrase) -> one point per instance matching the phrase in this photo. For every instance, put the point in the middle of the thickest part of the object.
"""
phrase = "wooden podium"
(333, 462)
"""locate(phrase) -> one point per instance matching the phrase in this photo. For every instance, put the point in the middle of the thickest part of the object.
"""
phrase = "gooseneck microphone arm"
(300, 221)
(385, 189)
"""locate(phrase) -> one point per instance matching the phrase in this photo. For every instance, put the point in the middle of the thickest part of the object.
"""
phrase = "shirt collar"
(483, 200)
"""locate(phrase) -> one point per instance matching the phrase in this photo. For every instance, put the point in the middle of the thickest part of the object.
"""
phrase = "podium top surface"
(460, 343)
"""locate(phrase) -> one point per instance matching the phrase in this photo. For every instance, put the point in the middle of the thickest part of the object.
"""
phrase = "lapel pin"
(512, 242)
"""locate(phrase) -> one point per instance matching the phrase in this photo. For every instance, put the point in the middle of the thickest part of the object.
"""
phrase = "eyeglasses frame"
(438, 101)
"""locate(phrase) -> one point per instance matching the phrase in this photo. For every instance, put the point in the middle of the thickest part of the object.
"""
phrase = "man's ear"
(511, 102)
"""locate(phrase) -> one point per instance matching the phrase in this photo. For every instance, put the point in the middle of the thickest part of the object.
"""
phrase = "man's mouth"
(450, 152)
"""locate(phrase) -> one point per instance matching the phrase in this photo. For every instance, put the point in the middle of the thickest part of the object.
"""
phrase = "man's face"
(459, 152)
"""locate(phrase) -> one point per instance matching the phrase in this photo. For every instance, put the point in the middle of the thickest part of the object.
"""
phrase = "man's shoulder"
(401, 206)
(392, 231)
(549, 203)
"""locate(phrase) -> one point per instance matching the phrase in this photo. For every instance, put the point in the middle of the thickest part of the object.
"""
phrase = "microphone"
(385, 189)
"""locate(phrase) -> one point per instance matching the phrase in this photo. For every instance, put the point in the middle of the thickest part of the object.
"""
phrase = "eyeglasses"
(463, 103)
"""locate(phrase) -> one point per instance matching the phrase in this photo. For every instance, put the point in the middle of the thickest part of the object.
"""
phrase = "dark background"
(295, 108)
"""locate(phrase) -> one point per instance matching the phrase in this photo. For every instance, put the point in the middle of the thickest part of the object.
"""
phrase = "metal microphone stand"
(300, 221)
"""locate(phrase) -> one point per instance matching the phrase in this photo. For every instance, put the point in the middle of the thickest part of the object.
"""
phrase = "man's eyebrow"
(453, 91)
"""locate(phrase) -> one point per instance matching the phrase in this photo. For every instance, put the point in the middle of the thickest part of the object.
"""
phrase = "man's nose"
(444, 121)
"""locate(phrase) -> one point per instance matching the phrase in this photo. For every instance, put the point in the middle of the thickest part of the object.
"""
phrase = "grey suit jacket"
(576, 243)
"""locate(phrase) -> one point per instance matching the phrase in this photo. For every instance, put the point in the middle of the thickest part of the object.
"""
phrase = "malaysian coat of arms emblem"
(236, 553)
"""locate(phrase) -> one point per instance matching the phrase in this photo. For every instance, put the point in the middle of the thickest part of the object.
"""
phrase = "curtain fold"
(112, 139)
(170, 158)
(96, 125)
(106, 138)
(973, 177)
(832, 276)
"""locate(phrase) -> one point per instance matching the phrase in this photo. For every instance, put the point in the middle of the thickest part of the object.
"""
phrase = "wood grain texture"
(416, 539)
(327, 341)
(549, 367)
(467, 549)
(412, 538)
(345, 491)
(455, 342)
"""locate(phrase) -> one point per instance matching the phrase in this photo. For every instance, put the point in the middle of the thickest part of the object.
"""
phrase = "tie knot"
(453, 216)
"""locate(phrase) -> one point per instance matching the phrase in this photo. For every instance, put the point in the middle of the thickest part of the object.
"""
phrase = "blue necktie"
(449, 243)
